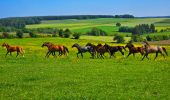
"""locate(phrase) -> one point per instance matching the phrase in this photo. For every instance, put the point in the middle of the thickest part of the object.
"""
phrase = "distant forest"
(20, 22)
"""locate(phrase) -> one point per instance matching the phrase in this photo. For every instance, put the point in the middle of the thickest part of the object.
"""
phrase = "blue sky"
(13, 8)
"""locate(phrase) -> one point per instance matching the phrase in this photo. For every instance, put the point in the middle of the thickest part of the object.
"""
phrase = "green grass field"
(106, 24)
(36, 77)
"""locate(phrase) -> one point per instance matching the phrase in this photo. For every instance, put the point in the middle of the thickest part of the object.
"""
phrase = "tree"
(67, 33)
(118, 24)
(19, 34)
(32, 34)
(76, 35)
(96, 32)
(61, 32)
(119, 38)
(5, 34)
(152, 28)
(148, 38)
(136, 38)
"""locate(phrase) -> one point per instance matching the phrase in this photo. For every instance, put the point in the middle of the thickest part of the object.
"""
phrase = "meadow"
(36, 77)
(106, 24)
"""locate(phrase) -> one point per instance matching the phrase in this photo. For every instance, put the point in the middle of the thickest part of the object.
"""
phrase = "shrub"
(5, 35)
(19, 34)
(76, 35)
(148, 38)
(119, 38)
(60, 33)
(96, 32)
(66, 35)
(118, 24)
(125, 29)
(32, 34)
(136, 38)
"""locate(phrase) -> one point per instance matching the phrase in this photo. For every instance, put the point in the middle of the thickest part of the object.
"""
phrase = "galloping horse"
(11, 49)
(53, 48)
(153, 49)
(113, 49)
(133, 50)
(97, 49)
(82, 50)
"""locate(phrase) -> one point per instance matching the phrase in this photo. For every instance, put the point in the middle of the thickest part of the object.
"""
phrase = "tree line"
(13, 23)
(139, 29)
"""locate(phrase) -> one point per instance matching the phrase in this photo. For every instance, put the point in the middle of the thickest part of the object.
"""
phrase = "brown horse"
(98, 50)
(53, 48)
(133, 50)
(153, 49)
(113, 49)
(11, 49)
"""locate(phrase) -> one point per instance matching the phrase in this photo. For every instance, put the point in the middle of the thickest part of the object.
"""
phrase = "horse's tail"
(66, 49)
(164, 49)
(22, 50)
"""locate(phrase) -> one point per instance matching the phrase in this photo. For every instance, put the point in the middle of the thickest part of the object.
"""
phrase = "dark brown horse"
(113, 49)
(55, 48)
(98, 50)
(11, 49)
(153, 49)
(133, 50)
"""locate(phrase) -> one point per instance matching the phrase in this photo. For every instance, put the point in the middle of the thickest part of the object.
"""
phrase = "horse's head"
(88, 44)
(4, 45)
(129, 45)
(106, 45)
(46, 44)
(145, 44)
(99, 45)
(75, 45)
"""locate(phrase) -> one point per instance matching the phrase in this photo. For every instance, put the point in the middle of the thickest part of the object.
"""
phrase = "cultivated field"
(106, 24)
(36, 77)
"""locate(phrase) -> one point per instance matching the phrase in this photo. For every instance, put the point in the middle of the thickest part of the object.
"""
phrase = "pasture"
(106, 24)
(36, 77)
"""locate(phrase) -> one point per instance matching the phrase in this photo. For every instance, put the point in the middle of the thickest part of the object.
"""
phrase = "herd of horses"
(96, 51)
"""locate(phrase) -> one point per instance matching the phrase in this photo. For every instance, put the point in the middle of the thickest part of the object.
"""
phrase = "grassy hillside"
(35, 77)
(106, 24)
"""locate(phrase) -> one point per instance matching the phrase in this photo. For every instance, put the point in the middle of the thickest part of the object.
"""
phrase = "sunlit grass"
(36, 77)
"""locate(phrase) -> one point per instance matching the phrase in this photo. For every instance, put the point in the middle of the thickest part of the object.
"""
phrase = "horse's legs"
(101, 56)
(146, 55)
(156, 55)
(22, 54)
(10, 53)
(7, 53)
(78, 55)
(47, 54)
(81, 54)
(162, 54)
(129, 54)
(133, 54)
(114, 55)
(121, 52)
(17, 54)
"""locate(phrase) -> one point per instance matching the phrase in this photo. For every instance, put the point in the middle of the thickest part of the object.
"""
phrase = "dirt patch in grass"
(164, 42)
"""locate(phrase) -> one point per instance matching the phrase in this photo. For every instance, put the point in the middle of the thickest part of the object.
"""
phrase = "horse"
(82, 50)
(153, 49)
(113, 49)
(133, 50)
(53, 48)
(11, 49)
(97, 49)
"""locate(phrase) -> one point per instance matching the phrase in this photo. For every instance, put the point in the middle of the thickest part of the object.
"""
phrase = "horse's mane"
(145, 42)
